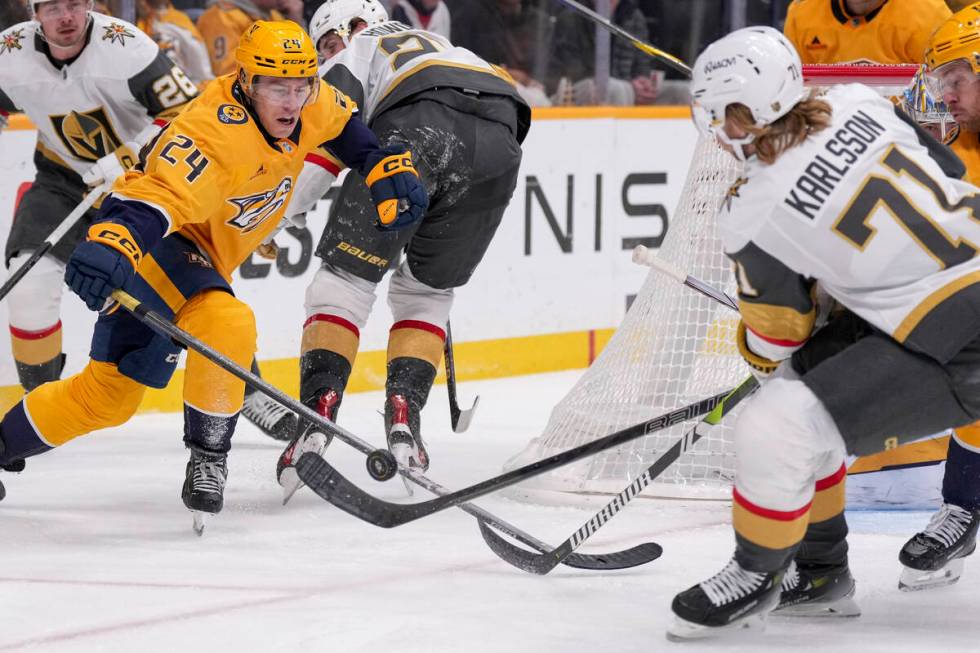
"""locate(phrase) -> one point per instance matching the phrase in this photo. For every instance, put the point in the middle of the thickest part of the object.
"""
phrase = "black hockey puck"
(381, 465)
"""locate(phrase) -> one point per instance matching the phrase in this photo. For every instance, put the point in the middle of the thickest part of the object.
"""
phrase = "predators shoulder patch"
(232, 114)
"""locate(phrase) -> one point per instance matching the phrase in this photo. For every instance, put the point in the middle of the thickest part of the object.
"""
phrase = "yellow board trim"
(484, 359)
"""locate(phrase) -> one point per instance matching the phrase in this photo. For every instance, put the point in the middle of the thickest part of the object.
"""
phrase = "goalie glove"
(762, 368)
(113, 165)
(104, 262)
(396, 190)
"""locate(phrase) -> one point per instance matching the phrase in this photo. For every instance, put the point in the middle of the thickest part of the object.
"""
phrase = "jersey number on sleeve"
(192, 156)
(402, 48)
(174, 88)
(853, 224)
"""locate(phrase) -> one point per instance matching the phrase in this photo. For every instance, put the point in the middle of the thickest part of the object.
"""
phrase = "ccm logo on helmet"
(721, 63)
(286, 62)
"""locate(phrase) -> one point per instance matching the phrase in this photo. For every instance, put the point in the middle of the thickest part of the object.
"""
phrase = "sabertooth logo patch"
(255, 209)
(116, 33)
(232, 114)
(11, 41)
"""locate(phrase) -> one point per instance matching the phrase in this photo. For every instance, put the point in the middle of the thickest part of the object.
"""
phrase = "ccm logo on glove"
(396, 190)
(118, 237)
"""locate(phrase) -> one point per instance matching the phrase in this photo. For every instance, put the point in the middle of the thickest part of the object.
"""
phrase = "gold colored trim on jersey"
(51, 155)
(778, 322)
(157, 279)
(936, 298)
(447, 64)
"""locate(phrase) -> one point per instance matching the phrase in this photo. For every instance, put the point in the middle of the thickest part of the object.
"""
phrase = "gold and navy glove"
(396, 190)
(104, 262)
(762, 368)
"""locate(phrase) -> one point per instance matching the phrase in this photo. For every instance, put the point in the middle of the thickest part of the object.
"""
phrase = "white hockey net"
(674, 347)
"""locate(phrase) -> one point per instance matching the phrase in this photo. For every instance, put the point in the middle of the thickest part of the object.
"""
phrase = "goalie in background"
(846, 191)
(211, 187)
(935, 556)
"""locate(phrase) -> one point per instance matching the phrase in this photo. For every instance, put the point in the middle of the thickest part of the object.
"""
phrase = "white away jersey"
(863, 208)
(391, 61)
(110, 94)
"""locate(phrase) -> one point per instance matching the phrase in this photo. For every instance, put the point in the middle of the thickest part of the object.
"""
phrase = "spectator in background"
(177, 37)
(224, 21)
(13, 12)
(509, 35)
(863, 31)
(430, 15)
(573, 59)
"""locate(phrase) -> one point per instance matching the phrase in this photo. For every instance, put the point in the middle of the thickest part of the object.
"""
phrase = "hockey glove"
(104, 262)
(396, 190)
(762, 368)
(111, 166)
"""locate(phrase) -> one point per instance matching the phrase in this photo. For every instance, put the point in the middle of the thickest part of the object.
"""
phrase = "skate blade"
(843, 607)
(914, 580)
(200, 521)
(291, 484)
(682, 630)
(403, 456)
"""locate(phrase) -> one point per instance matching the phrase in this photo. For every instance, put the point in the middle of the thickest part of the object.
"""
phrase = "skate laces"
(791, 579)
(732, 583)
(949, 524)
(209, 475)
(263, 410)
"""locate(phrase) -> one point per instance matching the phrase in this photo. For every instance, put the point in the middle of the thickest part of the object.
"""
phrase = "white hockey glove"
(111, 166)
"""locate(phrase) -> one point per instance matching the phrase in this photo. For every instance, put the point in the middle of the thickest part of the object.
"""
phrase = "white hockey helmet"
(754, 66)
(338, 15)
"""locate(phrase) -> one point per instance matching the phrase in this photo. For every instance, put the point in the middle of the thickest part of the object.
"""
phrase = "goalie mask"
(754, 66)
(922, 103)
(339, 16)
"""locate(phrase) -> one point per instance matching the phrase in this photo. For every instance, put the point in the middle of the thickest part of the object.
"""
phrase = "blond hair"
(809, 116)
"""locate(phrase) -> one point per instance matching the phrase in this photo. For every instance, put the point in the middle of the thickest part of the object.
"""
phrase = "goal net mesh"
(673, 347)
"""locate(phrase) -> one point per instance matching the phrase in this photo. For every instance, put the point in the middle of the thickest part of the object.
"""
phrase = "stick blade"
(461, 418)
(634, 557)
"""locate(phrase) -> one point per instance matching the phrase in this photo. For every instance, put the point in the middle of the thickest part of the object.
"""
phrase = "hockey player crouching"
(846, 191)
(464, 122)
(207, 191)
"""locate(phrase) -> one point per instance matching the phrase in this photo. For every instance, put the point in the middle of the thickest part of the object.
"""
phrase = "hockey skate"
(817, 592)
(733, 598)
(309, 440)
(204, 485)
(404, 433)
(272, 418)
(934, 557)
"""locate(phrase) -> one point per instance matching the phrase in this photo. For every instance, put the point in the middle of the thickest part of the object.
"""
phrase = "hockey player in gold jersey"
(208, 190)
(224, 22)
(935, 556)
(863, 31)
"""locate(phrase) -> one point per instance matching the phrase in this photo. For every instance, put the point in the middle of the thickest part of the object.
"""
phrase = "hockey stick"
(542, 563)
(330, 484)
(646, 48)
(460, 418)
(70, 220)
(644, 256)
(631, 557)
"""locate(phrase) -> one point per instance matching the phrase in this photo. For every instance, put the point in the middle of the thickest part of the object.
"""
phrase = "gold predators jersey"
(223, 24)
(897, 32)
(966, 145)
(219, 179)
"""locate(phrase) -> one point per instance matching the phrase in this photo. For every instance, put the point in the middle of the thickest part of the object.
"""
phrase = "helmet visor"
(285, 91)
(953, 77)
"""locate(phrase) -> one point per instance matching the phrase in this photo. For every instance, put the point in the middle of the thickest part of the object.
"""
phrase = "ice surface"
(98, 554)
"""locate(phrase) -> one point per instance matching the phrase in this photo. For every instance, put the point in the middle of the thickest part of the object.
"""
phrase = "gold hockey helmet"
(956, 38)
(278, 48)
